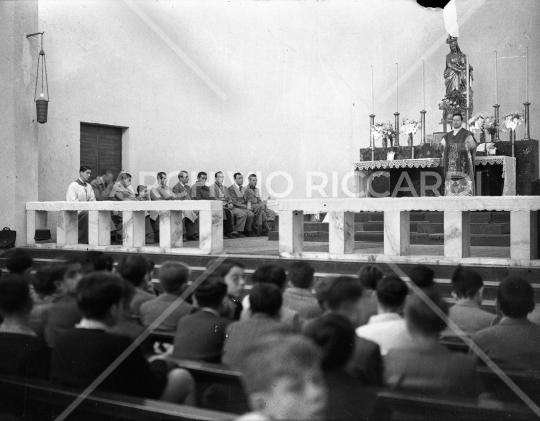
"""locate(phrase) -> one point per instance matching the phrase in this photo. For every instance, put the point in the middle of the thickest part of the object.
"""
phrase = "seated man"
(103, 185)
(173, 277)
(23, 353)
(388, 328)
(81, 191)
(267, 215)
(299, 296)
(47, 290)
(200, 336)
(515, 342)
(83, 353)
(242, 209)
(369, 276)
(134, 269)
(219, 192)
(426, 366)
(182, 191)
(265, 302)
(283, 380)
(466, 312)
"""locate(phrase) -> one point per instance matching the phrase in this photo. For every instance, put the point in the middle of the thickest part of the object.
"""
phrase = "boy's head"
(271, 274)
(301, 275)
(344, 297)
(174, 277)
(133, 268)
(422, 276)
(421, 319)
(233, 274)
(391, 294)
(99, 297)
(15, 297)
(95, 261)
(211, 292)
(48, 279)
(19, 262)
(321, 292)
(283, 378)
(335, 335)
(467, 284)
(515, 297)
(369, 275)
(266, 299)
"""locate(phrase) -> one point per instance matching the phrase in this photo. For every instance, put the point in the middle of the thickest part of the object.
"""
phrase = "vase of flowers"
(384, 131)
(409, 127)
(510, 122)
(483, 123)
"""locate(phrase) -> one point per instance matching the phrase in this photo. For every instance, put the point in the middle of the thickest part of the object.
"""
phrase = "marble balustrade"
(523, 226)
(133, 216)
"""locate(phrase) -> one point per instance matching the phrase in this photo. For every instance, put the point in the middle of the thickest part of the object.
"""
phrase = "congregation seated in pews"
(244, 212)
(292, 346)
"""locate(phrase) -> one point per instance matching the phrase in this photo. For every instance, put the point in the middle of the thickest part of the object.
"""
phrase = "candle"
(423, 88)
(527, 74)
(372, 97)
(468, 87)
(397, 88)
(496, 81)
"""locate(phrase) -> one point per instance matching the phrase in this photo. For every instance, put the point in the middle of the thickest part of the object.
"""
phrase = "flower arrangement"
(483, 121)
(383, 130)
(409, 126)
(453, 102)
(511, 120)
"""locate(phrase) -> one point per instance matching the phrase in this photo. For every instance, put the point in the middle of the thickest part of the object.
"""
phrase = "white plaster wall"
(288, 83)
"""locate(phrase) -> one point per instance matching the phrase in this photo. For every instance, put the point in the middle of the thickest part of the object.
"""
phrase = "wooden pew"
(38, 400)
(454, 344)
(406, 406)
(497, 389)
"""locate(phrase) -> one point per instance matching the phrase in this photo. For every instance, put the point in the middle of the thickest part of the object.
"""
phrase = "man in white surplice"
(81, 191)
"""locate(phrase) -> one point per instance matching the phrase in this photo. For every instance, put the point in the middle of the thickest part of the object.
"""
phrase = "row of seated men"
(303, 354)
(244, 212)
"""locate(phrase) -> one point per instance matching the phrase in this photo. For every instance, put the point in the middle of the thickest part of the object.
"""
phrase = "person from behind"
(87, 350)
(19, 262)
(514, 343)
(348, 398)
(423, 277)
(283, 380)
(173, 277)
(466, 313)
(388, 328)
(369, 275)
(233, 274)
(47, 284)
(299, 296)
(426, 366)
(200, 336)
(95, 261)
(134, 268)
(265, 305)
(274, 274)
(23, 353)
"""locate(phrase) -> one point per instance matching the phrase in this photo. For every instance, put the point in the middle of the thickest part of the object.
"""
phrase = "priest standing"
(81, 191)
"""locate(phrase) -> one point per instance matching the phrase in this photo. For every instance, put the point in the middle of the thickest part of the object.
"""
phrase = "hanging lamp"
(42, 102)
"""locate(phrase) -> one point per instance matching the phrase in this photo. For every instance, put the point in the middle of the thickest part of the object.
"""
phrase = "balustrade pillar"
(171, 229)
(134, 229)
(99, 228)
(397, 231)
(291, 231)
(211, 231)
(523, 235)
(341, 233)
(67, 228)
(457, 238)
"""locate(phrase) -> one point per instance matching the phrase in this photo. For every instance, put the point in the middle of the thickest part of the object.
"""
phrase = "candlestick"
(527, 74)
(527, 121)
(396, 114)
(468, 89)
(372, 97)
(496, 81)
(397, 88)
(497, 106)
(371, 139)
(423, 122)
(423, 88)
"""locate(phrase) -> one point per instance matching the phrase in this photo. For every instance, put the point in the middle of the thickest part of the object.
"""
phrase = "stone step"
(480, 229)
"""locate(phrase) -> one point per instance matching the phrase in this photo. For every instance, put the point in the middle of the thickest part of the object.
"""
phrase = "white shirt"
(78, 193)
(387, 330)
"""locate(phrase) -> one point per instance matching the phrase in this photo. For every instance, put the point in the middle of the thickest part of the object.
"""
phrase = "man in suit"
(242, 208)
(103, 185)
(219, 192)
(466, 312)
(299, 296)
(343, 295)
(267, 216)
(426, 366)
(182, 191)
(200, 336)
(265, 303)
(515, 342)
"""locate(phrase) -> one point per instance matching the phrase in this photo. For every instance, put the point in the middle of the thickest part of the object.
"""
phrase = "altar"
(495, 176)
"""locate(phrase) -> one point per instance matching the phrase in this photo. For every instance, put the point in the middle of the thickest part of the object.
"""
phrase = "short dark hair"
(97, 292)
(128, 175)
(343, 289)
(270, 274)
(252, 175)
(392, 292)
(224, 269)
(19, 261)
(140, 188)
(106, 171)
(422, 276)
(422, 318)
(321, 291)
(335, 335)
(93, 260)
(183, 172)
(173, 276)
(85, 168)
(466, 282)
(265, 298)
(235, 174)
(199, 175)
(14, 295)
(369, 275)
(211, 292)
(515, 297)
(301, 274)
(45, 278)
(216, 174)
(133, 268)
(161, 174)
(458, 114)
